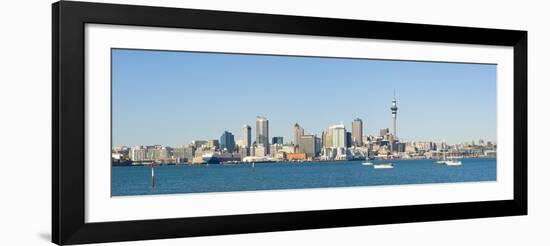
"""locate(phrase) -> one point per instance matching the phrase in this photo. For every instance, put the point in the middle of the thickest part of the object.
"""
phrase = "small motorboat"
(383, 166)
(454, 161)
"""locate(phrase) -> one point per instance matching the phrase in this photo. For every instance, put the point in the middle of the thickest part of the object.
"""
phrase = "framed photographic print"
(173, 122)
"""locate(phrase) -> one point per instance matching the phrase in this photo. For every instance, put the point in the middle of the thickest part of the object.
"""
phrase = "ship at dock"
(217, 158)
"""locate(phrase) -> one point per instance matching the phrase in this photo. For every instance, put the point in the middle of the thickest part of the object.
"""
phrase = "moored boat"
(383, 166)
(217, 158)
(442, 160)
(453, 161)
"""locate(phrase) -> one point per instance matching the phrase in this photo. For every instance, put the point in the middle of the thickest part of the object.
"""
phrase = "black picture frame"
(68, 122)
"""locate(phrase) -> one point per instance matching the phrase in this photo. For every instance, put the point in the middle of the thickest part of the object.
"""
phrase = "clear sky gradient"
(172, 98)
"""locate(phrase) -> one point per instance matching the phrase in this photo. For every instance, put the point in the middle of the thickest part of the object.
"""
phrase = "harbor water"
(177, 179)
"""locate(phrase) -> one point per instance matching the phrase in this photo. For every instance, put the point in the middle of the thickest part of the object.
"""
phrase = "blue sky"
(172, 98)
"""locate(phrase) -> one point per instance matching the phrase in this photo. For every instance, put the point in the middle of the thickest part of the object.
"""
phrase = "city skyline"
(147, 109)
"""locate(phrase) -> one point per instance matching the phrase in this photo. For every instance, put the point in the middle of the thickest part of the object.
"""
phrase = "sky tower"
(394, 115)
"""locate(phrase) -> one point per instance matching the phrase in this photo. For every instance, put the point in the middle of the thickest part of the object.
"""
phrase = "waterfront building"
(239, 143)
(317, 146)
(357, 132)
(376, 147)
(289, 148)
(401, 147)
(159, 153)
(307, 145)
(296, 156)
(383, 151)
(424, 145)
(280, 155)
(328, 154)
(177, 152)
(298, 133)
(247, 136)
(227, 142)
(199, 143)
(360, 152)
(262, 132)
(338, 133)
(366, 140)
(349, 139)
(277, 140)
(342, 154)
(274, 149)
(391, 142)
(384, 132)
(243, 151)
(213, 144)
(137, 153)
(333, 138)
(260, 151)
(326, 138)
(188, 152)
(410, 149)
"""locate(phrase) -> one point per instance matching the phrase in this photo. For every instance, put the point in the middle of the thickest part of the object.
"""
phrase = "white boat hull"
(453, 163)
(383, 166)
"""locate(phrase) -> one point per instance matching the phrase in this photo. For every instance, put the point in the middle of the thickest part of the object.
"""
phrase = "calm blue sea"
(136, 180)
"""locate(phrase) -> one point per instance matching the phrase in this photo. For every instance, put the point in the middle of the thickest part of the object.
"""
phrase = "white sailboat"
(444, 160)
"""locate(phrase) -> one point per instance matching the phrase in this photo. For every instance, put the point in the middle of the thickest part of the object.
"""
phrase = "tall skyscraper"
(338, 133)
(326, 138)
(227, 142)
(349, 140)
(247, 136)
(317, 146)
(307, 145)
(262, 132)
(357, 132)
(298, 133)
(394, 115)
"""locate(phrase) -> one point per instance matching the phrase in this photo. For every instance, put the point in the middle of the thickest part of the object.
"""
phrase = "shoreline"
(300, 162)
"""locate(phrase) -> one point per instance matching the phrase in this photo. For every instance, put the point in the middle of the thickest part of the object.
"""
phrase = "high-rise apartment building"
(227, 142)
(262, 132)
(298, 133)
(357, 132)
(247, 136)
(307, 145)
